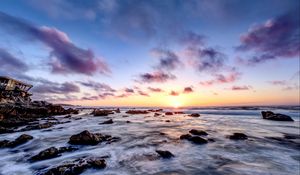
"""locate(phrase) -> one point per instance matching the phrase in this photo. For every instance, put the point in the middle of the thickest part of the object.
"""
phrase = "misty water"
(135, 152)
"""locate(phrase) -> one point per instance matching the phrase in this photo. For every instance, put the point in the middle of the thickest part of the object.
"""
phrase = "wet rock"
(197, 140)
(5, 130)
(97, 163)
(85, 138)
(118, 110)
(18, 141)
(46, 154)
(198, 132)
(137, 112)
(102, 112)
(238, 136)
(125, 116)
(169, 113)
(291, 136)
(67, 149)
(110, 121)
(178, 112)
(68, 116)
(165, 154)
(168, 121)
(185, 136)
(269, 115)
(156, 114)
(39, 126)
(194, 115)
(128, 121)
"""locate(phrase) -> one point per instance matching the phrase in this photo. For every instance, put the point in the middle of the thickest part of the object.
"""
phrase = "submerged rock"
(98, 112)
(194, 115)
(51, 152)
(110, 121)
(269, 115)
(197, 132)
(165, 154)
(238, 136)
(169, 113)
(137, 112)
(185, 136)
(197, 140)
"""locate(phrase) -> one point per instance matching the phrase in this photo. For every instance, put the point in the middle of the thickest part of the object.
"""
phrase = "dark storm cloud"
(56, 88)
(188, 90)
(9, 62)
(276, 38)
(158, 77)
(65, 56)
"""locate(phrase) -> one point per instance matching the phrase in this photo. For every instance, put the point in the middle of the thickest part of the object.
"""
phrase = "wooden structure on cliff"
(14, 90)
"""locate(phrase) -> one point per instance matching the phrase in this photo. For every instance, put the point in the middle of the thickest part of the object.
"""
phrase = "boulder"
(18, 141)
(84, 138)
(185, 136)
(169, 113)
(110, 121)
(164, 154)
(238, 136)
(269, 115)
(137, 112)
(198, 132)
(102, 112)
(46, 154)
(197, 140)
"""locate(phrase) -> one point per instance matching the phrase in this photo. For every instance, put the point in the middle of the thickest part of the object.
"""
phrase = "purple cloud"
(65, 56)
(158, 77)
(192, 39)
(221, 79)
(278, 82)
(56, 88)
(276, 38)
(128, 90)
(239, 88)
(143, 93)
(9, 62)
(155, 89)
(188, 90)
(168, 60)
(97, 86)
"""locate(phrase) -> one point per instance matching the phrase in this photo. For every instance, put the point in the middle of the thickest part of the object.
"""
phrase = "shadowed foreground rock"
(193, 139)
(194, 115)
(198, 132)
(18, 141)
(137, 112)
(87, 138)
(51, 152)
(98, 112)
(77, 167)
(110, 121)
(269, 115)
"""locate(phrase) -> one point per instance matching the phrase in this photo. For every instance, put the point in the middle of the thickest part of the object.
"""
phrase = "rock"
(156, 114)
(118, 110)
(67, 149)
(125, 116)
(97, 163)
(102, 112)
(20, 140)
(198, 132)
(84, 138)
(110, 121)
(39, 126)
(238, 136)
(168, 121)
(169, 113)
(178, 112)
(128, 121)
(137, 112)
(4, 143)
(197, 140)
(46, 154)
(185, 136)
(194, 115)
(269, 115)
(68, 116)
(5, 130)
(165, 154)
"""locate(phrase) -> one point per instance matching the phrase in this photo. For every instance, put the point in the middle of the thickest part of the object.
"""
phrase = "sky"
(168, 53)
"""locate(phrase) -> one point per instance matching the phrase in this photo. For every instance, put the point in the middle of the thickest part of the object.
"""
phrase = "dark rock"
(4, 143)
(67, 149)
(102, 112)
(169, 113)
(198, 132)
(128, 121)
(156, 114)
(125, 116)
(68, 116)
(194, 115)
(269, 115)
(97, 163)
(197, 140)
(185, 136)
(84, 138)
(20, 140)
(46, 154)
(178, 112)
(118, 110)
(238, 136)
(168, 121)
(110, 121)
(137, 112)
(165, 154)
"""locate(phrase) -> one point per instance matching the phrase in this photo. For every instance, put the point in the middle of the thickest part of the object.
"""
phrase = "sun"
(176, 103)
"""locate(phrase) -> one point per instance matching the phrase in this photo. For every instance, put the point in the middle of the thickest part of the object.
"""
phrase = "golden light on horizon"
(175, 102)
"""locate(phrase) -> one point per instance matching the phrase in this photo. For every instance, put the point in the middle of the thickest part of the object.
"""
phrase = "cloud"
(128, 90)
(168, 60)
(97, 86)
(276, 38)
(142, 93)
(56, 88)
(155, 89)
(174, 93)
(192, 39)
(90, 98)
(65, 56)
(158, 77)
(221, 79)
(278, 82)
(239, 88)
(9, 62)
(188, 90)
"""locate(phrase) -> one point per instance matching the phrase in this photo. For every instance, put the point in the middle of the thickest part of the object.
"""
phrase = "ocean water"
(135, 152)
